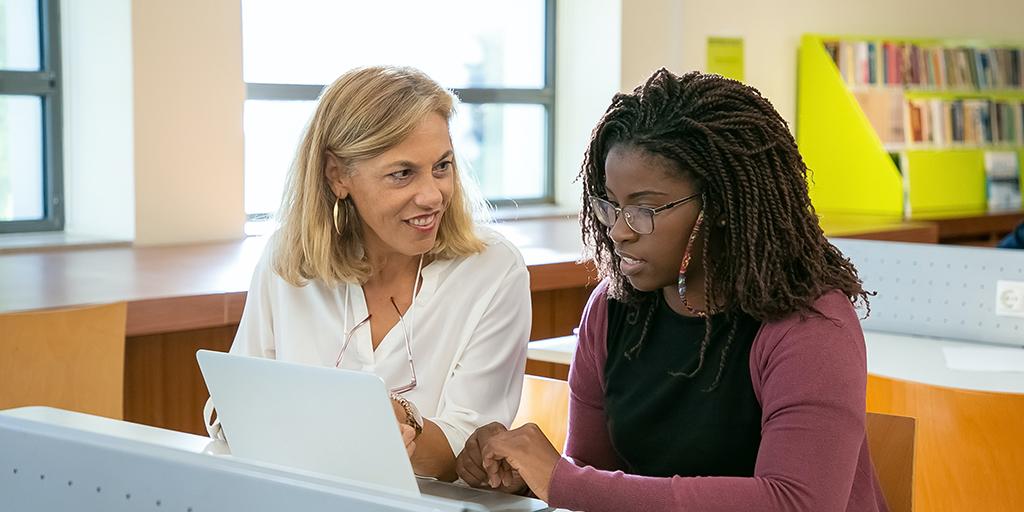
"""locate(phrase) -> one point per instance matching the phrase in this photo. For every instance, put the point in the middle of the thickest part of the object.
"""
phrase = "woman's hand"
(469, 464)
(525, 451)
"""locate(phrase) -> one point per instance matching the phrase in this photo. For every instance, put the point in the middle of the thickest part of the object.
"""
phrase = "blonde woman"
(378, 266)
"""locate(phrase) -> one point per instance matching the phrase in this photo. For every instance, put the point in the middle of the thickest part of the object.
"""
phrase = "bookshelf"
(900, 128)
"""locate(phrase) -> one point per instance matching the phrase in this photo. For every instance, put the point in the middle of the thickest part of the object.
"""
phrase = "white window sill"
(54, 241)
(529, 212)
(500, 215)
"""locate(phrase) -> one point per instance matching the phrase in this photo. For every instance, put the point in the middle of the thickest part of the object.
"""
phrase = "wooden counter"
(183, 298)
(973, 227)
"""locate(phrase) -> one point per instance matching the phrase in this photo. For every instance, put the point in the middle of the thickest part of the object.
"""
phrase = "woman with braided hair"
(721, 364)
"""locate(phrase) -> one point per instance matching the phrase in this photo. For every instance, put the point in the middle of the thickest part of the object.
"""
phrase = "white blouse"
(469, 327)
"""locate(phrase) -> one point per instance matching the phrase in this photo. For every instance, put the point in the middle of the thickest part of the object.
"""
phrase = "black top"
(663, 425)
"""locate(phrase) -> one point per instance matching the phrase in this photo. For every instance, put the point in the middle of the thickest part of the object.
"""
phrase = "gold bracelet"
(410, 416)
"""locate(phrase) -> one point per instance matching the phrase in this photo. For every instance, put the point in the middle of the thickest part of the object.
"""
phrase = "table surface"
(50, 279)
(184, 287)
(896, 356)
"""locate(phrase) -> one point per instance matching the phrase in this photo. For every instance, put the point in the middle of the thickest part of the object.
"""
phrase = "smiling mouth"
(424, 222)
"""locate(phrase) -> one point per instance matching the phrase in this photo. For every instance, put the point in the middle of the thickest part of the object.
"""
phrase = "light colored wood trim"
(970, 444)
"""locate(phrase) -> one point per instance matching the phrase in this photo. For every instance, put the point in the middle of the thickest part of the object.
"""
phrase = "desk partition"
(937, 290)
(58, 460)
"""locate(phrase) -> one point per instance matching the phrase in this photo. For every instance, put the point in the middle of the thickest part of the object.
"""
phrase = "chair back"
(66, 358)
(545, 402)
(891, 442)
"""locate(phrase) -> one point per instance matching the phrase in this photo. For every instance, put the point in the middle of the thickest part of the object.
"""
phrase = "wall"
(99, 185)
(651, 39)
(588, 75)
(188, 98)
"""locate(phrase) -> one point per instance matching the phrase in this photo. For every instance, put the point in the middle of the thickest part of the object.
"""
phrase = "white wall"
(651, 39)
(588, 75)
(99, 186)
(188, 99)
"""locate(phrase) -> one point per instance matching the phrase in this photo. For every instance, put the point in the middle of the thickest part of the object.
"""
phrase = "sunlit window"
(496, 56)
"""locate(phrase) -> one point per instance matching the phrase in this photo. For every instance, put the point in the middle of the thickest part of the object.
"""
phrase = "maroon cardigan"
(809, 374)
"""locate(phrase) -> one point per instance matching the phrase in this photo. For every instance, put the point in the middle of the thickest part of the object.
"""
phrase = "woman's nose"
(429, 194)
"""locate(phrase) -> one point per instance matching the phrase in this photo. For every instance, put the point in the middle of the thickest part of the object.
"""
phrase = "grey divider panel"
(937, 290)
(51, 467)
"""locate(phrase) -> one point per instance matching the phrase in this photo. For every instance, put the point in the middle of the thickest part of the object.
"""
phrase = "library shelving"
(900, 128)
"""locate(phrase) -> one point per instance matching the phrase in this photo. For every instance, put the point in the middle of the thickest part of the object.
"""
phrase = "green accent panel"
(850, 171)
(942, 181)
(725, 57)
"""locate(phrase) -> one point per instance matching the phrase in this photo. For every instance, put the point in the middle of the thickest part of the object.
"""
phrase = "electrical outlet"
(1010, 298)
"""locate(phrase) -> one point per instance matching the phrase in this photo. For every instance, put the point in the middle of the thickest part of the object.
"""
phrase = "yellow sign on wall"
(725, 57)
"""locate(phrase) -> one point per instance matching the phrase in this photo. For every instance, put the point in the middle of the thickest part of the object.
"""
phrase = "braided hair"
(771, 257)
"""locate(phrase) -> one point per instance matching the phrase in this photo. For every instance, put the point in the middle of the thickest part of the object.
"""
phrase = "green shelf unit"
(853, 172)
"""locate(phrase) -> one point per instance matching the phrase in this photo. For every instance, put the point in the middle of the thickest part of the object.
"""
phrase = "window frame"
(544, 96)
(45, 84)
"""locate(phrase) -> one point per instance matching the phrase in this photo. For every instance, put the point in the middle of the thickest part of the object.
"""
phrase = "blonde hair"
(364, 113)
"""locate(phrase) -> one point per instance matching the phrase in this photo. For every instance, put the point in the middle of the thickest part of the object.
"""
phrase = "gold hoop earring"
(336, 228)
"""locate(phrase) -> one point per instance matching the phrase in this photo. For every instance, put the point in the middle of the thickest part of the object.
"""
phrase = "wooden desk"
(183, 298)
(875, 228)
(973, 228)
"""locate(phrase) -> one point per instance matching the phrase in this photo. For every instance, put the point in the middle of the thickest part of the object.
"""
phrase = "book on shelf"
(884, 110)
(1002, 180)
(975, 122)
(897, 63)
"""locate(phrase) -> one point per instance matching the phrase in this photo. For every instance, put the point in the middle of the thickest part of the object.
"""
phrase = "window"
(498, 57)
(31, 186)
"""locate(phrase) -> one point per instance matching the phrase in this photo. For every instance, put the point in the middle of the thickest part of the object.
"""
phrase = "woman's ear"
(337, 177)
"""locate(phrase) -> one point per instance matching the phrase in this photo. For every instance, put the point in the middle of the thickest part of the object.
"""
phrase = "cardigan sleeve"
(810, 375)
(587, 440)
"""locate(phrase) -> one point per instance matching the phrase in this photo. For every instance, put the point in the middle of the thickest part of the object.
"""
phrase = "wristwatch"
(413, 418)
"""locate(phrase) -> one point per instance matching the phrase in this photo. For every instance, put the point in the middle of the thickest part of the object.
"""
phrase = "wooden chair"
(545, 402)
(891, 442)
(67, 358)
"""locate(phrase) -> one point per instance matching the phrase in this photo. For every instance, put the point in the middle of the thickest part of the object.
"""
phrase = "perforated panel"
(937, 290)
(48, 467)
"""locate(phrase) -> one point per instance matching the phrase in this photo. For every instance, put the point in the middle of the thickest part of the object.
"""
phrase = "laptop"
(343, 426)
